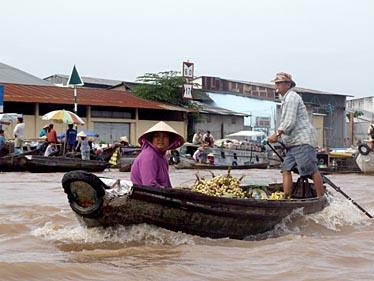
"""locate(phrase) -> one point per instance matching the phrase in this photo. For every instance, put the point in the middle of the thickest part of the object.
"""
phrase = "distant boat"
(42, 164)
(240, 156)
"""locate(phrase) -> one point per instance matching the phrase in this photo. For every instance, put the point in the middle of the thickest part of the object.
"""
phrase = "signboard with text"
(263, 122)
(188, 69)
(187, 91)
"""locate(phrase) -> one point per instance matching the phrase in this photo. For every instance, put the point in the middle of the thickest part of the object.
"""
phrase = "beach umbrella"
(7, 118)
(63, 116)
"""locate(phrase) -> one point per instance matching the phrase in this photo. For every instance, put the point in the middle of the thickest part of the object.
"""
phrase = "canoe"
(42, 164)
(108, 202)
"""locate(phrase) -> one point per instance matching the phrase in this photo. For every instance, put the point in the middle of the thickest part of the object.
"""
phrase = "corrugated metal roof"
(89, 80)
(205, 108)
(272, 86)
(9, 74)
(85, 96)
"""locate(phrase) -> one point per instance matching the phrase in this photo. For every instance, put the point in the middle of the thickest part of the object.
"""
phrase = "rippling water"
(40, 239)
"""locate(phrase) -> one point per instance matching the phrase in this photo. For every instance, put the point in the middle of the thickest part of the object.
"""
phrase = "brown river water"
(41, 239)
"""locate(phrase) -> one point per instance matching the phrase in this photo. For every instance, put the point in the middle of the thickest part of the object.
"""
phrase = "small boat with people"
(229, 152)
(218, 208)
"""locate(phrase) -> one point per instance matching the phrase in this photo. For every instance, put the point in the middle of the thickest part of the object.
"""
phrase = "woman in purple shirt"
(151, 167)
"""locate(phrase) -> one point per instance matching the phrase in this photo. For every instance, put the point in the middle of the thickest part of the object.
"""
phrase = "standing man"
(298, 135)
(19, 131)
(71, 137)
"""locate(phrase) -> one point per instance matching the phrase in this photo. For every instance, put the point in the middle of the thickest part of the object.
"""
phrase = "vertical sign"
(187, 72)
(1, 98)
(187, 69)
(187, 91)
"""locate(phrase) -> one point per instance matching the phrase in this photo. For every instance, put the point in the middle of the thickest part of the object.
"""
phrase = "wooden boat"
(110, 202)
(16, 162)
(187, 163)
(365, 159)
(223, 157)
(42, 164)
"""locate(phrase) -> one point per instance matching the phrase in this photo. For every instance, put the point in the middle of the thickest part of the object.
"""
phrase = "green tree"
(164, 87)
(356, 114)
(167, 87)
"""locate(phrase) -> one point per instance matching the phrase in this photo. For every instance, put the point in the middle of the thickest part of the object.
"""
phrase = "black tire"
(93, 181)
(364, 149)
(174, 159)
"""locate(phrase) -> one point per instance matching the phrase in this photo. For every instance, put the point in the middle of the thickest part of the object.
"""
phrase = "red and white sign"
(187, 69)
(187, 91)
(263, 122)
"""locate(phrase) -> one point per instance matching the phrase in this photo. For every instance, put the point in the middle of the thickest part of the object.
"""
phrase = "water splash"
(142, 234)
(340, 213)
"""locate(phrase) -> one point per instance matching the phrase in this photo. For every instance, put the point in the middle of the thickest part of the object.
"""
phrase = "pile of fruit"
(222, 186)
(277, 195)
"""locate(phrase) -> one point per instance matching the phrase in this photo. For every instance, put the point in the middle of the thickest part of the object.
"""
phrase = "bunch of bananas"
(277, 195)
(222, 186)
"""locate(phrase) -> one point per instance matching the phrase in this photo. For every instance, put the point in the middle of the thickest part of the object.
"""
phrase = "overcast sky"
(327, 45)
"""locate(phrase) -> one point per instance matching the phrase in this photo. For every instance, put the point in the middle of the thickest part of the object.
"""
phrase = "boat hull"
(178, 209)
(42, 164)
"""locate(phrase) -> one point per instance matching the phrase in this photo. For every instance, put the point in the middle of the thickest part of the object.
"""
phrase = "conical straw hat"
(124, 138)
(162, 127)
(82, 134)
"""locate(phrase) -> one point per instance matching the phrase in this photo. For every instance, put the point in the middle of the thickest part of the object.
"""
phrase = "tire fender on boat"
(174, 158)
(364, 149)
(74, 182)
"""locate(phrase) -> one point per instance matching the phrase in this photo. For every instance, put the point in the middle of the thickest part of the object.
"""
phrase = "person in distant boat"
(43, 133)
(371, 136)
(3, 149)
(52, 135)
(70, 138)
(124, 142)
(298, 135)
(197, 138)
(84, 146)
(51, 150)
(210, 158)
(151, 167)
(208, 139)
(199, 155)
(19, 131)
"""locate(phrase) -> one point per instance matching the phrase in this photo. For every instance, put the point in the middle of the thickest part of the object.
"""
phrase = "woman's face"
(161, 140)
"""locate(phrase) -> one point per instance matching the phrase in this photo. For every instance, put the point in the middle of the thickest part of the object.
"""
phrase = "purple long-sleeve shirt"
(151, 167)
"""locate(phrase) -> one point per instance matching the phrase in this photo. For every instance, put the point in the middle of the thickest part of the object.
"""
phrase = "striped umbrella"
(63, 116)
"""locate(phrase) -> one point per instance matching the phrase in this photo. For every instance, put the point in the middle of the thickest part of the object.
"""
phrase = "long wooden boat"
(110, 202)
(195, 165)
(42, 164)
(16, 162)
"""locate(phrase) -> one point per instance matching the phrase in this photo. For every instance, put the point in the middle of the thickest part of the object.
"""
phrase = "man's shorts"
(303, 157)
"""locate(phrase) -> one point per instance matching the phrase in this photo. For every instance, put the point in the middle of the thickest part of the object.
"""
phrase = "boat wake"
(79, 238)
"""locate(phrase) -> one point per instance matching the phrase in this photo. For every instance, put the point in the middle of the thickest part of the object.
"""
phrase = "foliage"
(356, 114)
(164, 87)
